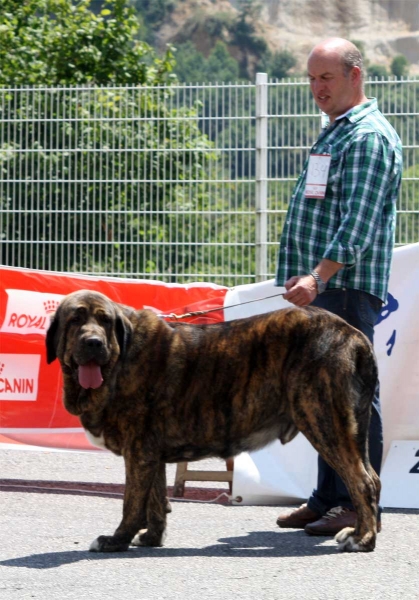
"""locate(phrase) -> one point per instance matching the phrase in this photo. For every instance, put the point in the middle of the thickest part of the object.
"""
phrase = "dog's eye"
(75, 320)
(103, 318)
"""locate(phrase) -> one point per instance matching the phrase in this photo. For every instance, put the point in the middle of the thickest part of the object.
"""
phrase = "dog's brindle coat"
(182, 393)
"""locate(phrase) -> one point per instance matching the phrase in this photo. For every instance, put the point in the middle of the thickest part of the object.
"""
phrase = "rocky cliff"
(385, 27)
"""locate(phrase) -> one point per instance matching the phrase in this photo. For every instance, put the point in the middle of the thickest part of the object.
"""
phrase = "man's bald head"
(335, 73)
(348, 53)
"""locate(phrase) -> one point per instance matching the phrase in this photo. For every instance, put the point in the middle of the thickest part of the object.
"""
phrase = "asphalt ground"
(54, 504)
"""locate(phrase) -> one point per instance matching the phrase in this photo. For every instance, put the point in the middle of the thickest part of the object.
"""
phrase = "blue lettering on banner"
(391, 343)
(415, 469)
(391, 307)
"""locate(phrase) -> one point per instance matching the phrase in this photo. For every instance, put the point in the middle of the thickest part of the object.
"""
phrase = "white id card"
(317, 175)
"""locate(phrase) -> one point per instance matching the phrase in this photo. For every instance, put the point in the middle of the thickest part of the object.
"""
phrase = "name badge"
(317, 175)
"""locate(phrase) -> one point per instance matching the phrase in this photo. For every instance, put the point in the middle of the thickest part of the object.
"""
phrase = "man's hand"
(301, 290)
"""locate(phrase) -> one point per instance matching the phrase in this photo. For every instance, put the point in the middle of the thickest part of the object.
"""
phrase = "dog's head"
(88, 334)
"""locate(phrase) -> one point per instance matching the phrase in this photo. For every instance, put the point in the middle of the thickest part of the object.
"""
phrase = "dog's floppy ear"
(123, 330)
(52, 338)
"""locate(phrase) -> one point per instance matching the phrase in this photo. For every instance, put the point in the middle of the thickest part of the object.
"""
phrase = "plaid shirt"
(354, 224)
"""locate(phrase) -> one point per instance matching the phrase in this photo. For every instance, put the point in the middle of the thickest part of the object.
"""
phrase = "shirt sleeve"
(366, 178)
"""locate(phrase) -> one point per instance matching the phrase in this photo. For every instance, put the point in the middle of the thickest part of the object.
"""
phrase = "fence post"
(261, 176)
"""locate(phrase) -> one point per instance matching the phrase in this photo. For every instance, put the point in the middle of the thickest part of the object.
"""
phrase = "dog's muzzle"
(91, 355)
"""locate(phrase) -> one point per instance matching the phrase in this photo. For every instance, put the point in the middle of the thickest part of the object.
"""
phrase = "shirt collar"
(344, 114)
(359, 111)
(354, 114)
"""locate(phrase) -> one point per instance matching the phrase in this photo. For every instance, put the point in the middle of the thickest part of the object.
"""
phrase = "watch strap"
(321, 285)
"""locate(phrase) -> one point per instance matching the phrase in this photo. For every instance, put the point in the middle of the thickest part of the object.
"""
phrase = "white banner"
(286, 473)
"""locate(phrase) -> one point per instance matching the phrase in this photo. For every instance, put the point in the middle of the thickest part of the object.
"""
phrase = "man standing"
(337, 242)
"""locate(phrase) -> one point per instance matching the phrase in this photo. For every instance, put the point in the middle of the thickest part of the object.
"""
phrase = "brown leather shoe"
(298, 518)
(334, 521)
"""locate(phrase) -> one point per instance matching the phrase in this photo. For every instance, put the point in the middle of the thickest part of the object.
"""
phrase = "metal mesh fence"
(179, 183)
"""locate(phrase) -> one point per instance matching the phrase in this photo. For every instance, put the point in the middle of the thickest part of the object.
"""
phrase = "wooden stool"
(183, 474)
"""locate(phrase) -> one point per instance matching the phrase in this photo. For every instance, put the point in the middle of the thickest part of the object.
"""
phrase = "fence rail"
(178, 183)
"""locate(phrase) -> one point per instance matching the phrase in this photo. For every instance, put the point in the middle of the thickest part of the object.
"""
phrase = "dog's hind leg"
(363, 493)
(364, 487)
(346, 461)
(332, 431)
(363, 420)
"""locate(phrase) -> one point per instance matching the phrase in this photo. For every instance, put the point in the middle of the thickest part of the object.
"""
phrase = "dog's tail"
(366, 385)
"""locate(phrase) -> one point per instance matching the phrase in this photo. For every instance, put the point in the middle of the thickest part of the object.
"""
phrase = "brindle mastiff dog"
(157, 393)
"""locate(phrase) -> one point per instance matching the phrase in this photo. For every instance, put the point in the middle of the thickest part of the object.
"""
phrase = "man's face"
(333, 92)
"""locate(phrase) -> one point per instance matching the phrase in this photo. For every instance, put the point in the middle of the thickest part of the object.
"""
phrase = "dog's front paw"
(147, 538)
(108, 543)
(136, 541)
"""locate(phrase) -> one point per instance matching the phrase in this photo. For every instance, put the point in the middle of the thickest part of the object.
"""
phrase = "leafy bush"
(400, 66)
(192, 66)
(278, 64)
(152, 14)
(378, 71)
(52, 42)
(95, 165)
(87, 165)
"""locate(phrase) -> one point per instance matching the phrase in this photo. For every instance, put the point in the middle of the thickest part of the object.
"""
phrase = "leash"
(205, 312)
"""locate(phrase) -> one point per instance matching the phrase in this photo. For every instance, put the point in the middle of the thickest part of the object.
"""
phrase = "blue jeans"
(360, 310)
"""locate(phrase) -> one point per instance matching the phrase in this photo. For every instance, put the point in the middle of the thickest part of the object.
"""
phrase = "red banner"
(31, 408)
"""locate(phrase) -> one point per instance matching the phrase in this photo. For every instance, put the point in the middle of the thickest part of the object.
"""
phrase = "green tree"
(375, 70)
(400, 66)
(190, 63)
(238, 34)
(52, 42)
(220, 65)
(152, 14)
(154, 11)
(88, 166)
(72, 189)
(278, 64)
(245, 37)
(192, 66)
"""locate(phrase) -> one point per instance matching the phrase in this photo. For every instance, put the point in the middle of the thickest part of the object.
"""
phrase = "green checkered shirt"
(354, 224)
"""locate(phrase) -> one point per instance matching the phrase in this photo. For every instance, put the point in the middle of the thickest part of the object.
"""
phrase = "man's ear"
(356, 75)
(51, 341)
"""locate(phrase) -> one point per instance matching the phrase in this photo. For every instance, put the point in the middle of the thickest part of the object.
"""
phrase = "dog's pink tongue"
(90, 376)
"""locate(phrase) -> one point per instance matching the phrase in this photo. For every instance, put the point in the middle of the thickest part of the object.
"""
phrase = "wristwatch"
(321, 285)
